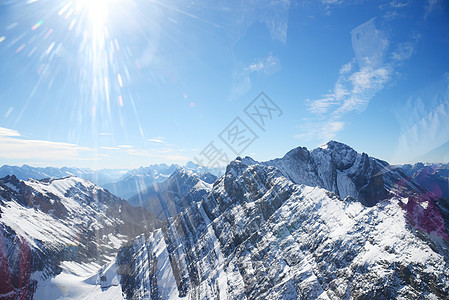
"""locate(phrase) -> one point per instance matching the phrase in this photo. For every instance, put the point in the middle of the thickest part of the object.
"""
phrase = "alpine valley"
(330, 223)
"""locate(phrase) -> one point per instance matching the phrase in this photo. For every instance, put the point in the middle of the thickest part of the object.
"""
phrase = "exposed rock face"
(44, 222)
(258, 235)
(168, 198)
(338, 168)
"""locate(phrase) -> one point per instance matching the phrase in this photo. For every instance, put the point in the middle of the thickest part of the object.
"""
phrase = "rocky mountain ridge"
(262, 233)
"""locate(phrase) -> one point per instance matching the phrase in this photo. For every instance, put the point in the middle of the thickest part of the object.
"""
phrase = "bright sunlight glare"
(84, 46)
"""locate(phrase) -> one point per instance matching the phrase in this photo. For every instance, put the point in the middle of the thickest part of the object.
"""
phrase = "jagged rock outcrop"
(338, 168)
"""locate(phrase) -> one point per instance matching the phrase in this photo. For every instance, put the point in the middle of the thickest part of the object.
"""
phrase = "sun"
(97, 11)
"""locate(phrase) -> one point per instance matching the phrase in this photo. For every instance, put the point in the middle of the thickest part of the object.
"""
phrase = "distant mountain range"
(120, 182)
(172, 196)
(26, 172)
(330, 223)
(137, 180)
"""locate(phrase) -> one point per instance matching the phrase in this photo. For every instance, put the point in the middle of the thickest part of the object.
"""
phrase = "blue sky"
(125, 83)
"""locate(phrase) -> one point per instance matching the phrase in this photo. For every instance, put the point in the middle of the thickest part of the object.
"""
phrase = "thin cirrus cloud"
(158, 140)
(14, 146)
(424, 120)
(355, 88)
(267, 66)
(358, 81)
(351, 92)
(324, 129)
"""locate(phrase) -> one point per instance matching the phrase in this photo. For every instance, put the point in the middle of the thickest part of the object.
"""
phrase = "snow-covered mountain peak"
(12, 182)
(191, 165)
(341, 154)
(299, 153)
(238, 165)
(181, 171)
(47, 222)
(247, 160)
(170, 197)
(335, 145)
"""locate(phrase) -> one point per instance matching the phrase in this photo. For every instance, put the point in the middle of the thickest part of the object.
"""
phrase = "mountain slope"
(257, 234)
(167, 199)
(136, 181)
(433, 177)
(46, 222)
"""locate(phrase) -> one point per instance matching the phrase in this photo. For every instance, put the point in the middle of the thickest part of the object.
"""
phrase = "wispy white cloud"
(161, 150)
(273, 13)
(361, 86)
(321, 106)
(431, 7)
(109, 148)
(157, 140)
(424, 120)
(8, 132)
(137, 152)
(267, 66)
(403, 52)
(355, 88)
(125, 146)
(323, 130)
(398, 3)
(14, 146)
(352, 91)
(358, 81)
(331, 1)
